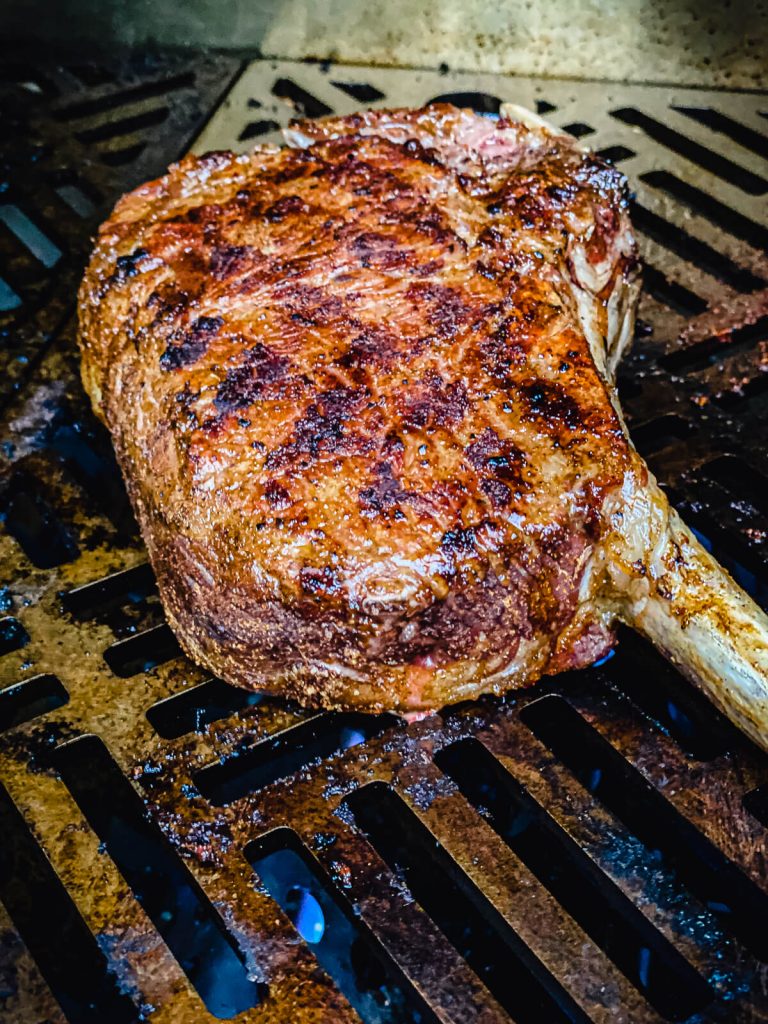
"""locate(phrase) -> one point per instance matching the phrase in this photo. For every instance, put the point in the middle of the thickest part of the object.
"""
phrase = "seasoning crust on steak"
(360, 389)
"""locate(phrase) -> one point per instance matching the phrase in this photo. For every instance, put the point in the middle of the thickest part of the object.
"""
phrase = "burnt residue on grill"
(595, 848)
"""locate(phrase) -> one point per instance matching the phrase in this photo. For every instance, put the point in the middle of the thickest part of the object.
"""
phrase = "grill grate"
(593, 849)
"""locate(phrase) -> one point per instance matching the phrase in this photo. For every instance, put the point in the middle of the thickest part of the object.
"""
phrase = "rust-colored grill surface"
(175, 850)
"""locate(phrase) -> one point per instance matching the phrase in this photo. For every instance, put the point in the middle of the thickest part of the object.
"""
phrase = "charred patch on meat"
(460, 541)
(228, 260)
(550, 404)
(186, 349)
(431, 402)
(323, 430)
(250, 381)
(446, 309)
(127, 267)
(311, 306)
(383, 252)
(373, 346)
(277, 496)
(385, 495)
(286, 206)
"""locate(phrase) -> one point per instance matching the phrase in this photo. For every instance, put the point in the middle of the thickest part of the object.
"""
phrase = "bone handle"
(692, 610)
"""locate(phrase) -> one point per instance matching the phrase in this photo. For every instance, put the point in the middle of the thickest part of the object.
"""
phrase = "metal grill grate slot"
(344, 946)
(711, 350)
(160, 881)
(708, 206)
(465, 916)
(716, 164)
(24, 701)
(142, 652)
(694, 250)
(720, 122)
(198, 707)
(281, 755)
(12, 635)
(51, 927)
(642, 953)
(721, 886)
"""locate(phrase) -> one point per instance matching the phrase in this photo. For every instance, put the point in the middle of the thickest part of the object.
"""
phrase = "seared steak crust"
(358, 391)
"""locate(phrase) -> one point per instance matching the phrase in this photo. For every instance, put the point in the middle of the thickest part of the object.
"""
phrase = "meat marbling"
(361, 391)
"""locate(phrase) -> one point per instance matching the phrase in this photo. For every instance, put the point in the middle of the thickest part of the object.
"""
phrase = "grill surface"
(592, 849)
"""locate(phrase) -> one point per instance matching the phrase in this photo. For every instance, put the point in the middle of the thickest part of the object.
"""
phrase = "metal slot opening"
(615, 154)
(85, 108)
(12, 635)
(660, 433)
(470, 922)
(194, 709)
(744, 392)
(91, 74)
(30, 698)
(480, 102)
(702, 203)
(161, 882)
(756, 802)
(30, 235)
(712, 350)
(303, 102)
(285, 753)
(715, 163)
(51, 927)
(679, 298)
(654, 686)
(142, 652)
(739, 479)
(601, 769)
(113, 128)
(8, 298)
(342, 943)
(32, 521)
(255, 128)
(128, 585)
(694, 250)
(360, 91)
(578, 129)
(648, 960)
(741, 133)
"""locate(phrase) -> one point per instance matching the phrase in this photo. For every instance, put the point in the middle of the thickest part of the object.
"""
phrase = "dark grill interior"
(592, 849)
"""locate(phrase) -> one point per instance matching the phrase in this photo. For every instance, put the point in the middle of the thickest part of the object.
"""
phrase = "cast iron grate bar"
(679, 298)
(715, 163)
(708, 206)
(344, 946)
(52, 929)
(715, 348)
(161, 882)
(693, 250)
(717, 881)
(110, 101)
(719, 122)
(276, 757)
(29, 699)
(467, 918)
(641, 952)
(741, 480)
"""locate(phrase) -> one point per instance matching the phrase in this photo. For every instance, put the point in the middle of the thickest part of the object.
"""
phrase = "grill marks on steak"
(373, 410)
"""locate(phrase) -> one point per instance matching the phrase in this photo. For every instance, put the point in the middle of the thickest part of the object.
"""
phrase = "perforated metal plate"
(591, 849)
